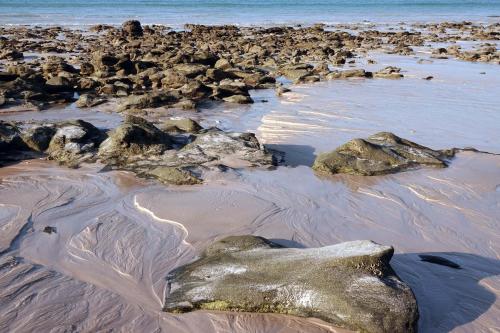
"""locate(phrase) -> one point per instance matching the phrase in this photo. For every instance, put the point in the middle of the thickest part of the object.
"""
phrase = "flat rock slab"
(381, 153)
(350, 285)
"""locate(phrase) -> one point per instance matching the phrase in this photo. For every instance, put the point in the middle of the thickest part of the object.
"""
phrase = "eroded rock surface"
(350, 284)
(381, 153)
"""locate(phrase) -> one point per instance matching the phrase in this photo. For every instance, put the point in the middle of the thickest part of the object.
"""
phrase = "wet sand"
(118, 236)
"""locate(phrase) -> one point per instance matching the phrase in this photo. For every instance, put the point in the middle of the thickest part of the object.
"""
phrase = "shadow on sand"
(447, 297)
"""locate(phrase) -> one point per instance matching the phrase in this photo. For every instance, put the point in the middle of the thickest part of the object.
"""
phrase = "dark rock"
(132, 28)
(11, 55)
(381, 153)
(38, 137)
(10, 137)
(49, 230)
(350, 285)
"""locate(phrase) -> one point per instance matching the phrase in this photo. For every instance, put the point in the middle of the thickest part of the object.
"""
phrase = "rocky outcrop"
(139, 146)
(350, 285)
(381, 153)
(179, 153)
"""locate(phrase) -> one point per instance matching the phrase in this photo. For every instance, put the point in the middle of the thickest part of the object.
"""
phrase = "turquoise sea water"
(249, 12)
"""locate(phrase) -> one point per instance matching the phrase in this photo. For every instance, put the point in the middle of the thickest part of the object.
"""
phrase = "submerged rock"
(381, 153)
(350, 284)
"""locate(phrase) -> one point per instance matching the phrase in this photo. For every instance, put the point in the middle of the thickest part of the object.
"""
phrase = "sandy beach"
(117, 227)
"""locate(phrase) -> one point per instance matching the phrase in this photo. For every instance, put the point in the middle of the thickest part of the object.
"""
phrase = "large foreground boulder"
(381, 153)
(350, 285)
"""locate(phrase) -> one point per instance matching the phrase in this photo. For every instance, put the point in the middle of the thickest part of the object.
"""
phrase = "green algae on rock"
(381, 153)
(350, 285)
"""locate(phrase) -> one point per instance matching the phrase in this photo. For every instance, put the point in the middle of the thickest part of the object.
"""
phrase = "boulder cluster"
(154, 66)
(180, 154)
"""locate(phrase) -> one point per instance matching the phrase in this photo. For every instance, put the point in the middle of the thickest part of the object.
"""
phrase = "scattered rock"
(183, 124)
(389, 72)
(350, 285)
(282, 90)
(238, 99)
(88, 100)
(381, 153)
(50, 230)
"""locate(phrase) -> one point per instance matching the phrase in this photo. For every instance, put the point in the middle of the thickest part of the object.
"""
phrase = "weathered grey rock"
(88, 100)
(214, 147)
(381, 153)
(74, 142)
(350, 285)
